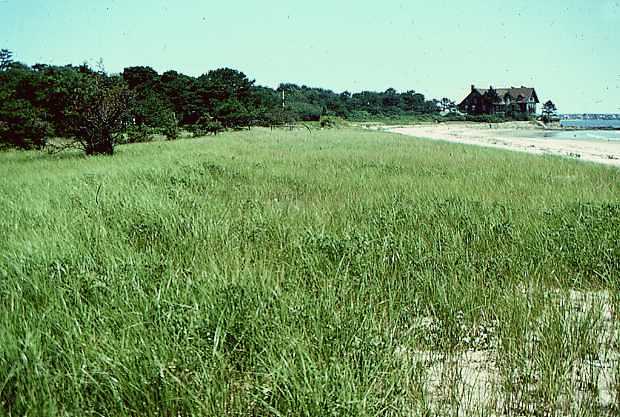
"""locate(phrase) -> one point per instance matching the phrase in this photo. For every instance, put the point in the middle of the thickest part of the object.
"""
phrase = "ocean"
(586, 133)
(591, 123)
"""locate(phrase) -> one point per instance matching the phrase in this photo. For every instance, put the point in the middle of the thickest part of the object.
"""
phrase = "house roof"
(520, 95)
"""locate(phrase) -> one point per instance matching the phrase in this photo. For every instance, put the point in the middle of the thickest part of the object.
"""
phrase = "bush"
(278, 116)
(486, 118)
(139, 134)
(170, 128)
(359, 116)
(306, 112)
(171, 132)
(332, 121)
(453, 117)
(214, 127)
(205, 126)
(523, 117)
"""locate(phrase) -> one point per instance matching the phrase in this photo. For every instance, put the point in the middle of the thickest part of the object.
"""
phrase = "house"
(509, 102)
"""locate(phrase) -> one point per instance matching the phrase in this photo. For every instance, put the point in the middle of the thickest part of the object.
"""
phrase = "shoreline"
(510, 137)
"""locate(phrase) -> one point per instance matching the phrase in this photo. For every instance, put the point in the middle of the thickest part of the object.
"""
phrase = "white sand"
(517, 136)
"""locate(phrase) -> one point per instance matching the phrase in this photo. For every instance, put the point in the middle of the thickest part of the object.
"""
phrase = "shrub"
(170, 128)
(453, 117)
(206, 125)
(214, 127)
(139, 134)
(331, 121)
(486, 118)
(306, 112)
(523, 117)
(359, 116)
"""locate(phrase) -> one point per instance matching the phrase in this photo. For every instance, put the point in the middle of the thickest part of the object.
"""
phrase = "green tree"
(22, 125)
(413, 102)
(6, 59)
(151, 107)
(391, 98)
(151, 110)
(100, 114)
(549, 111)
(220, 85)
(140, 76)
(181, 92)
(232, 113)
(265, 101)
(52, 89)
(447, 105)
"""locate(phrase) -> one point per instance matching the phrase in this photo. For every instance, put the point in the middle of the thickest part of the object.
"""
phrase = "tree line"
(97, 109)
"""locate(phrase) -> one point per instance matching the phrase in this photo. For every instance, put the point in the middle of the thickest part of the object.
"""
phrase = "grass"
(281, 273)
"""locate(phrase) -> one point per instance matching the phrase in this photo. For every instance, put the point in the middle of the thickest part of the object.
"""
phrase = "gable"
(470, 97)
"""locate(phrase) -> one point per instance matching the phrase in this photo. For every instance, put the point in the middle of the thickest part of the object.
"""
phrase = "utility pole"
(283, 98)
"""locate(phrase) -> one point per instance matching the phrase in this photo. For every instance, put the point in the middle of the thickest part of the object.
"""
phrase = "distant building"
(508, 102)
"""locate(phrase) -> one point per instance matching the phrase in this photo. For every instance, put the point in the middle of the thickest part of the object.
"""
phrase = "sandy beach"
(519, 136)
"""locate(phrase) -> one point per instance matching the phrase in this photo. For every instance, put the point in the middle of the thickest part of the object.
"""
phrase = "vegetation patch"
(332, 272)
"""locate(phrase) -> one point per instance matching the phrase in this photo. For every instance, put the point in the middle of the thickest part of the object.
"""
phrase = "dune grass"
(341, 272)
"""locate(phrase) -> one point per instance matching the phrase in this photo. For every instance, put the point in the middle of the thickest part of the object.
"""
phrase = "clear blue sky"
(568, 49)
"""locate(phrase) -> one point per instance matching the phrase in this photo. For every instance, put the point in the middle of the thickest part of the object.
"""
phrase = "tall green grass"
(296, 273)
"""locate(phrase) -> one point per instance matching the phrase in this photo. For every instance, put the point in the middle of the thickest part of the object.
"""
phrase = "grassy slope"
(261, 272)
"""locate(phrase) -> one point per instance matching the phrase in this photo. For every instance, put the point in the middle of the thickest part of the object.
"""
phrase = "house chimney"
(473, 87)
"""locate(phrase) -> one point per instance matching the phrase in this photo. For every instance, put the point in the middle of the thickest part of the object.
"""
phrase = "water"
(584, 124)
(606, 135)
(588, 134)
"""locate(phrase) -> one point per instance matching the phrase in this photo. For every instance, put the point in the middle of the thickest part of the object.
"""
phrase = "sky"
(569, 50)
